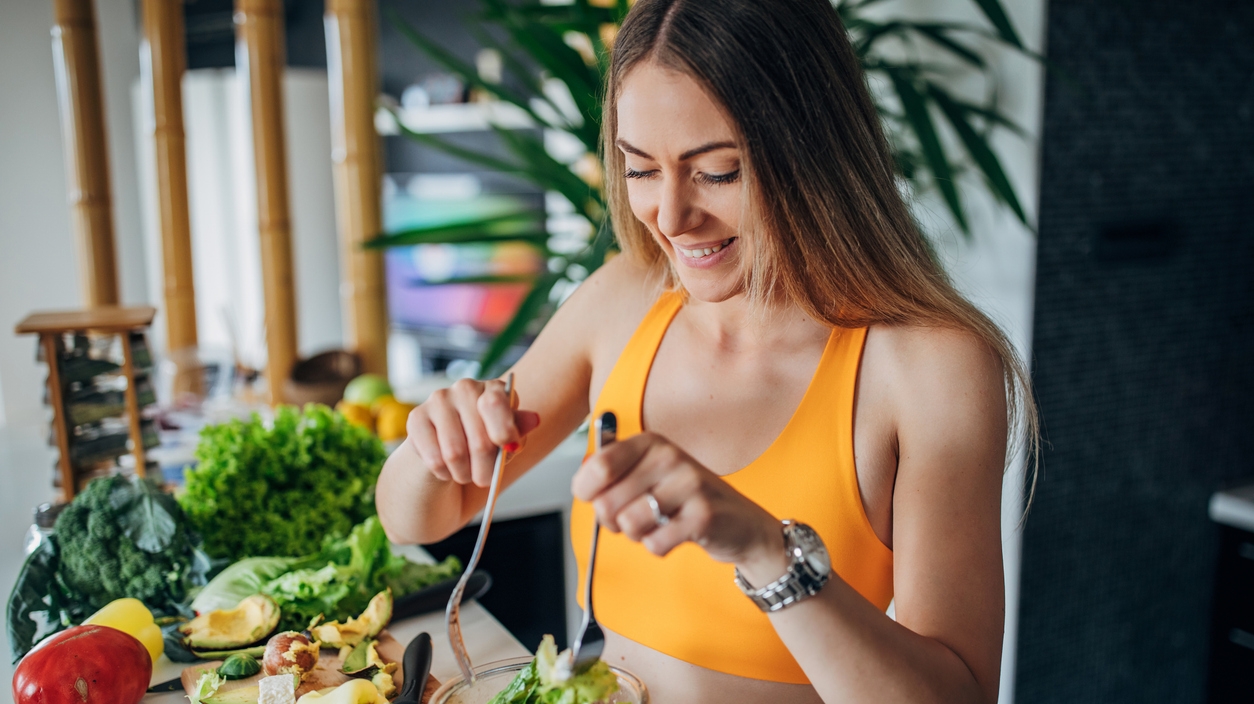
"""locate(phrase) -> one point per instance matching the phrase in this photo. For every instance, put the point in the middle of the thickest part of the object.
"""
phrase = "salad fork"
(591, 639)
(453, 613)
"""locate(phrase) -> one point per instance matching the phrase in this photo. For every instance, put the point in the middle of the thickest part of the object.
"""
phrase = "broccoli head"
(124, 537)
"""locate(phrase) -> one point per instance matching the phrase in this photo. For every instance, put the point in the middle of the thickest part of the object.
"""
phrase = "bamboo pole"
(259, 35)
(76, 58)
(355, 155)
(165, 57)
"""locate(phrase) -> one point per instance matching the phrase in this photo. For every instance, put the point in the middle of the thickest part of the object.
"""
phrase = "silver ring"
(659, 518)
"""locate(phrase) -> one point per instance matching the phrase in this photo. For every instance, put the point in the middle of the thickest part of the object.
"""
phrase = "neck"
(735, 325)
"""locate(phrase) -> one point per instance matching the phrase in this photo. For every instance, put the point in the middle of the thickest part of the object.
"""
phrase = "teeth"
(705, 251)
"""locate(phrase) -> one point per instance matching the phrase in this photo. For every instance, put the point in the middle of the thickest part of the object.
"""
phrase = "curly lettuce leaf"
(545, 681)
(206, 686)
(277, 489)
(337, 582)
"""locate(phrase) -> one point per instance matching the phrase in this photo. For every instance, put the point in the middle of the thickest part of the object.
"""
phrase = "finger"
(636, 519)
(423, 438)
(689, 523)
(666, 538)
(526, 421)
(466, 395)
(494, 407)
(452, 439)
(658, 461)
(606, 467)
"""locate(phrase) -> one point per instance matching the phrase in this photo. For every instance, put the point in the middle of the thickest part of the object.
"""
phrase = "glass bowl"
(495, 676)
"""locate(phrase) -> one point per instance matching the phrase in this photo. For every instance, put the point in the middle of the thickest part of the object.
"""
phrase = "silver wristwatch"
(810, 569)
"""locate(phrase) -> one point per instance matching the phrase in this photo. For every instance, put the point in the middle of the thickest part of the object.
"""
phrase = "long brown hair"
(836, 236)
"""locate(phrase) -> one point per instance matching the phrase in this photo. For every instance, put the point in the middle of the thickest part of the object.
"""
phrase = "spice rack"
(97, 395)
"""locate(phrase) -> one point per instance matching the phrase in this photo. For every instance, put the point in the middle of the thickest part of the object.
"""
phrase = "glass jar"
(495, 676)
(41, 528)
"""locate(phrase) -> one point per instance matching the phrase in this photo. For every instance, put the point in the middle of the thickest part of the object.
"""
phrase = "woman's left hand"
(697, 504)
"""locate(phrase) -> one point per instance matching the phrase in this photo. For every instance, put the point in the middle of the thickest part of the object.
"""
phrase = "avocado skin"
(255, 650)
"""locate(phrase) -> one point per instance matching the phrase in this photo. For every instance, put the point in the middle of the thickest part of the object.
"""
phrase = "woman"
(779, 345)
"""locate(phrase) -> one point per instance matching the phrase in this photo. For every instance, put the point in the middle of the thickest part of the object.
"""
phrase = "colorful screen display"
(416, 298)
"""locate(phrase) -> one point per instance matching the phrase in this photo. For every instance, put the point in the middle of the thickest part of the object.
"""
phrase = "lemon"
(391, 420)
(357, 414)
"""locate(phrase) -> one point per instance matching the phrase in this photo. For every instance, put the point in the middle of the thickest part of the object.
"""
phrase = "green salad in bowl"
(544, 679)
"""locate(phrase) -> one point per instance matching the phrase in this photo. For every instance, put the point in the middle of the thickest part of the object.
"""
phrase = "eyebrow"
(709, 147)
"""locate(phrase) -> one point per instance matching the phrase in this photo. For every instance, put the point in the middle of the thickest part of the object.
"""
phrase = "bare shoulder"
(934, 365)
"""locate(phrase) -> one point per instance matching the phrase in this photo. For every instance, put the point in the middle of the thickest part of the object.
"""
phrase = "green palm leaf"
(920, 121)
(996, 14)
(979, 150)
(525, 226)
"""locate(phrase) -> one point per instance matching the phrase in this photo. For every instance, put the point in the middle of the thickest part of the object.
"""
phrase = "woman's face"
(683, 177)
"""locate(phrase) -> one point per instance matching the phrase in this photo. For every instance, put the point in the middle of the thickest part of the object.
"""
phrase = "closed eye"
(719, 179)
(632, 173)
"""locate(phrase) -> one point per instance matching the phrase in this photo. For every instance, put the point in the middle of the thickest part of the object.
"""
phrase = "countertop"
(25, 470)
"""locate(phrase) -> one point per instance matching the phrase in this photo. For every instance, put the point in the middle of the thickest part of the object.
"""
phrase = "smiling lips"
(702, 252)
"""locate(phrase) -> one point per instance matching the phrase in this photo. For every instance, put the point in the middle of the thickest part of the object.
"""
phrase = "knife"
(173, 685)
(415, 669)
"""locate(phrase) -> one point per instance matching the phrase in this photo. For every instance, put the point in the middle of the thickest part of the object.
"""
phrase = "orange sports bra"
(685, 604)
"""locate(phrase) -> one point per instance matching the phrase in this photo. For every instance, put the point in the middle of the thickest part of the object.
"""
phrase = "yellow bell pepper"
(132, 618)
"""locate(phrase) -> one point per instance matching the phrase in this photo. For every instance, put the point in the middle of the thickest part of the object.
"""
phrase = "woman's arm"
(947, 395)
(459, 429)
(947, 405)
(437, 479)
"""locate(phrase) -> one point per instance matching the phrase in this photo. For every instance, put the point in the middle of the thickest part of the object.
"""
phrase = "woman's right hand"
(457, 430)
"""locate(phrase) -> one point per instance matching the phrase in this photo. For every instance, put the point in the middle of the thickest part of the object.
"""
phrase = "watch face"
(812, 549)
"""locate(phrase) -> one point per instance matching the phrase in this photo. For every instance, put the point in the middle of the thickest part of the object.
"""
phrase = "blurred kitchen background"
(1122, 273)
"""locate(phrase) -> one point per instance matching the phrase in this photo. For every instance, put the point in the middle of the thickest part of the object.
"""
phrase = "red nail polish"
(511, 447)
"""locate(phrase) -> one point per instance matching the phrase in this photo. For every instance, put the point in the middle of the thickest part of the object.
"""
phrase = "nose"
(676, 212)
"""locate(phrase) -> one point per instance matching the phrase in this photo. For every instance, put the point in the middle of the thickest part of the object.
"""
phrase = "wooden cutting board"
(325, 674)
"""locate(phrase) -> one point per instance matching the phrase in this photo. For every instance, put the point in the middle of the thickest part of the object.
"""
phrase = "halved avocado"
(384, 682)
(255, 651)
(355, 630)
(363, 660)
(251, 620)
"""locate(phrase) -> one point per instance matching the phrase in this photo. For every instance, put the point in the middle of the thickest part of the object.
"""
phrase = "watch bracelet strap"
(793, 587)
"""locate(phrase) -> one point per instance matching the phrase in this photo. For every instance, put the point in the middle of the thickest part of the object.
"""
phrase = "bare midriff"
(673, 681)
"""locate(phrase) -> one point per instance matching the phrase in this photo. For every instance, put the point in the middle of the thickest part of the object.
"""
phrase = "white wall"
(37, 257)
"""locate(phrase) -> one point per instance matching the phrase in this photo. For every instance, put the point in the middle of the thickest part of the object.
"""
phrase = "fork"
(453, 613)
(591, 639)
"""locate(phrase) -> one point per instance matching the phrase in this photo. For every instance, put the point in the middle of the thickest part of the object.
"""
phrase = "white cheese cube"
(279, 689)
